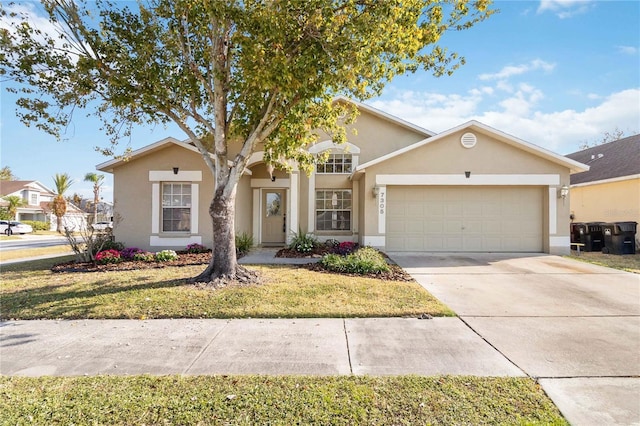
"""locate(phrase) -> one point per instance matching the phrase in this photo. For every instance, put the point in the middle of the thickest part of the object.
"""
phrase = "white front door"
(274, 217)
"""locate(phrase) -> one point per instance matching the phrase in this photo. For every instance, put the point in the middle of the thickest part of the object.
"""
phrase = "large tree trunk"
(224, 264)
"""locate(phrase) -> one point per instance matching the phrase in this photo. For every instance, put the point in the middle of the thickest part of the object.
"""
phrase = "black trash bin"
(575, 232)
(619, 237)
(590, 234)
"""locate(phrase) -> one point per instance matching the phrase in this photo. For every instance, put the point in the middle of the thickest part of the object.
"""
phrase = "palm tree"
(7, 174)
(96, 179)
(14, 203)
(62, 183)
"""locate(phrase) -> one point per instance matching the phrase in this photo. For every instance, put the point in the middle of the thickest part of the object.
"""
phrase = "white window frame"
(183, 205)
(339, 159)
(330, 192)
(157, 177)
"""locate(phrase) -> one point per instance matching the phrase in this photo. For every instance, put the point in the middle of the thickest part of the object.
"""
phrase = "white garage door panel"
(496, 219)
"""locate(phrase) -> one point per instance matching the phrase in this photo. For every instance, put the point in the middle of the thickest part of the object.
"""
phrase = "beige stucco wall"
(376, 136)
(133, 195)
(489, 157)
(617, 201)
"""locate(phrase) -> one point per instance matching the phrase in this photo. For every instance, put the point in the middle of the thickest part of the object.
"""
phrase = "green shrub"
(303, 242)
(108, 244)
(37, 225)
(4, 214)
(166, 256)
(365, 260)
(244, 242)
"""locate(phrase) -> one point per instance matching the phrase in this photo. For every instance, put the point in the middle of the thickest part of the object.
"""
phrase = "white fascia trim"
(266, 183)
(155, 208)
(603, 181)
(553, 211)
(169, 176)
(382, 209)
(386, 116)
(374, 240)
(37, 186)
(257, 213)
(329, 144)
(573, 165)
(311, 203)
(293, 200)
(155, 241)
(195, 208)
(462, 180)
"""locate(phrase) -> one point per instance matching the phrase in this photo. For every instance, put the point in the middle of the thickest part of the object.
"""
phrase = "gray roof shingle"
(610, 160)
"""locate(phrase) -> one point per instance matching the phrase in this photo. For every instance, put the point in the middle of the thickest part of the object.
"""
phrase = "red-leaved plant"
(108, 256)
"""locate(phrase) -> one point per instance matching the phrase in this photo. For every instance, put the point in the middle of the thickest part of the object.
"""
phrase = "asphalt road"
(32, 241)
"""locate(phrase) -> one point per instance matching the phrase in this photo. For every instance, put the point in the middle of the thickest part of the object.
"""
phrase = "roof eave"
(385, 115)
(572, 165)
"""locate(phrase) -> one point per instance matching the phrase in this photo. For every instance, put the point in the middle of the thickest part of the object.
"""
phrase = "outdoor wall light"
(176, 170)
(270, 170)
(467, 174)
(563, 192)
(375, 191)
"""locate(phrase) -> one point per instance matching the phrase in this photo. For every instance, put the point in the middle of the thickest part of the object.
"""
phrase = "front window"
(33, 199)
(333, 210)
(336, 163)
(176, 207)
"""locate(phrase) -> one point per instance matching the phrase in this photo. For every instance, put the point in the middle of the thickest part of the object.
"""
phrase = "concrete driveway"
(573, 326)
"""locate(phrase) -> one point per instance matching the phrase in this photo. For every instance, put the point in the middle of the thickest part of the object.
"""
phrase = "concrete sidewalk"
(389, 346)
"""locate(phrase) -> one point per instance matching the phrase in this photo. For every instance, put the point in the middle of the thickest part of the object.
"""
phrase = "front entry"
(274, 217)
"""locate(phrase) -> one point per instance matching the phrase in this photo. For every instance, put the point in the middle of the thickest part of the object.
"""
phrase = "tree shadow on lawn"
(49, 302)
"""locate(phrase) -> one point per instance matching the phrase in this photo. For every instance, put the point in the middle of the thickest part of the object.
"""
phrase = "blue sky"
(555, 73)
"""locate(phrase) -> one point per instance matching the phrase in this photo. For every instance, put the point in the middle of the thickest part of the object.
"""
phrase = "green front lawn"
(33, 252)
(625, 262)
(32, 291)
(275, 400)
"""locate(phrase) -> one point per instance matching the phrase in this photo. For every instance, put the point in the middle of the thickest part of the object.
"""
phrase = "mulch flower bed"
(187, 259)
(395, 272)
(318, 251)
(184, 259)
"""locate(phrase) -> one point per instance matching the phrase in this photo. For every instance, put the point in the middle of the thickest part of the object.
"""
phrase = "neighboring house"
(393, 185)
(105, 210)
(610, 190)
(38, 198)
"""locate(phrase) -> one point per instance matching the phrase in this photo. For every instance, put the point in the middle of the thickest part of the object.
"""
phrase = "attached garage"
(468, 189)
(464, 219)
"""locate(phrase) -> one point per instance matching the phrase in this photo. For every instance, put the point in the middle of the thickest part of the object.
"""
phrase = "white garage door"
(472, 219)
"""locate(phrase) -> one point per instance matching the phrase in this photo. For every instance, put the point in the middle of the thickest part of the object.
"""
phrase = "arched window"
(342, 158)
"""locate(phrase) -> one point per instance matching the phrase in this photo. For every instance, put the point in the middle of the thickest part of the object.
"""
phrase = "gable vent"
(468, 140)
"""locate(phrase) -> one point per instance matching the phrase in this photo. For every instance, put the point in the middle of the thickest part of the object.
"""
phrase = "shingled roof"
(610, 160)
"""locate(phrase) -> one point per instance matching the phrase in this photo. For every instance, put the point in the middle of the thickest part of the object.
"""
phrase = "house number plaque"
(382, 207)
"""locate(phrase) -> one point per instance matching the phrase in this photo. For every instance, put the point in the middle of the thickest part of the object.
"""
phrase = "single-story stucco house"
(610, 190)
(393, 185)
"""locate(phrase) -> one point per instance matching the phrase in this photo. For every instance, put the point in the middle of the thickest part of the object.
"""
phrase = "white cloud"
(627, 50)
(565, 8)
(38, 19)
(511, 70)
(560, 131)
(17, 12)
